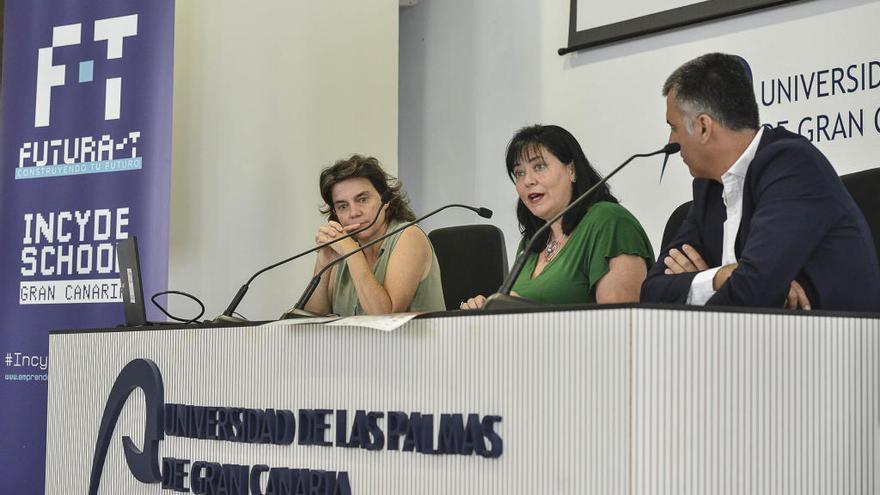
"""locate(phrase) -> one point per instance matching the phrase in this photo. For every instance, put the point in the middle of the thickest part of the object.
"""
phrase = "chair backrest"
(674, 222)
(864, 187)
(473, 260)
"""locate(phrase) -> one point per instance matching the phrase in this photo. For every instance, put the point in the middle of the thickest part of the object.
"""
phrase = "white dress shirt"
(732, 194)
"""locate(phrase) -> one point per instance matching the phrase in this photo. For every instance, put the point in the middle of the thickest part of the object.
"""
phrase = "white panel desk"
(620, 400)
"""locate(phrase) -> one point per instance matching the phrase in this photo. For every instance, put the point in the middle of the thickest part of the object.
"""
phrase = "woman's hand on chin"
(329, 232)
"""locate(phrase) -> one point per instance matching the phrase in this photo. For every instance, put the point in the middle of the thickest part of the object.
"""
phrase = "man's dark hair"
(527, 142)
(718, 85)
(368, 168)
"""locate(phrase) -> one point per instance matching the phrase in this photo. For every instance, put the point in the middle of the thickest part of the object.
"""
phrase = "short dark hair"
(718, 85)
(366, 167)
(565, 147)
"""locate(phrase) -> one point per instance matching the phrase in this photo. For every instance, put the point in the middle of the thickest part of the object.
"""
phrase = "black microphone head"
(672, 148)
(484, 212)
(387, 196)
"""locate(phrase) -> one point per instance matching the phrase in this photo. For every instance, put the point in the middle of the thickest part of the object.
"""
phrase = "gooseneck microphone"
(227, 315)
(503, 299)
(313, 284)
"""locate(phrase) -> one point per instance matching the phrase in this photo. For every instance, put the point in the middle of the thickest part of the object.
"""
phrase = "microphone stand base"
(294, 313)
(234, 320)
(506, 301)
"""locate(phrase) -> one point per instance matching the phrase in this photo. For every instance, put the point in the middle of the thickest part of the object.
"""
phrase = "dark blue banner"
(86, 162)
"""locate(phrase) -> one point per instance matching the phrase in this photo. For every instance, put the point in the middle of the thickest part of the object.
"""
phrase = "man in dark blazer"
(771, 224)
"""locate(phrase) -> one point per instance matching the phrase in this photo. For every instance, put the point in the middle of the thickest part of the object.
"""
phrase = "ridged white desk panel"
(559, 380)
(737, 403)
(603, 401)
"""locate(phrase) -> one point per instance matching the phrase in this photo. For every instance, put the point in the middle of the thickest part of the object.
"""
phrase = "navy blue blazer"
(798, 223)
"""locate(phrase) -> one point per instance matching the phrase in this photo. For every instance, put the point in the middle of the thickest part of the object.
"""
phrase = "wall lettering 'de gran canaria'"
(86, 149)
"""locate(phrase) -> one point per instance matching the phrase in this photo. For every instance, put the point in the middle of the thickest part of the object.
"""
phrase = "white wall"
(266, 94)
(461, 98)
(471, 73)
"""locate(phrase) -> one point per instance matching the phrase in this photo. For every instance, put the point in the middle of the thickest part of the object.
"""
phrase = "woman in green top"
(597, 253)
(399, 274)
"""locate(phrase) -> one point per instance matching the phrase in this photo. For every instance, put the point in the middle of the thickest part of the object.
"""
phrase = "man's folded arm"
(659, 287)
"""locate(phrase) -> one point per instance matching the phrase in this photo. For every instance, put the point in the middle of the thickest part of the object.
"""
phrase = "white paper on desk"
(304, 321)
(385, 323)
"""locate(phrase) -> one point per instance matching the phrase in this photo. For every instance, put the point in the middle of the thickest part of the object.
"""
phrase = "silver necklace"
(551, 249)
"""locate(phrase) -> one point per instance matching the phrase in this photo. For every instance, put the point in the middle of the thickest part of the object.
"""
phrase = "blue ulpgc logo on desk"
(64, 153)
(471, 435)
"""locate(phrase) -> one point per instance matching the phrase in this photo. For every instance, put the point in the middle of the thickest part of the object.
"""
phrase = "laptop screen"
(131, 286)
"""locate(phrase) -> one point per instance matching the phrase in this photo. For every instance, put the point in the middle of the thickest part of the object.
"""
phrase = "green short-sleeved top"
(428, 296)
(607, 230)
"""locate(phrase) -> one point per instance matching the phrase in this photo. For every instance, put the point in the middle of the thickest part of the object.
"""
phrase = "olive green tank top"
(428, 296)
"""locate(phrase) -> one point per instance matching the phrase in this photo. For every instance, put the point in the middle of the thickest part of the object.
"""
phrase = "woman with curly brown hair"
(399, 274)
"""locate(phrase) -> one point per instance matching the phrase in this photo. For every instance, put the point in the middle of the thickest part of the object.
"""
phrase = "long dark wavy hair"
(368, 168)
(528, 141)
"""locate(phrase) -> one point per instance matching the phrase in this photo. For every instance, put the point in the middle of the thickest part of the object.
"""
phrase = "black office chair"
(864, 187)
(674, 222)
(473, 260)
